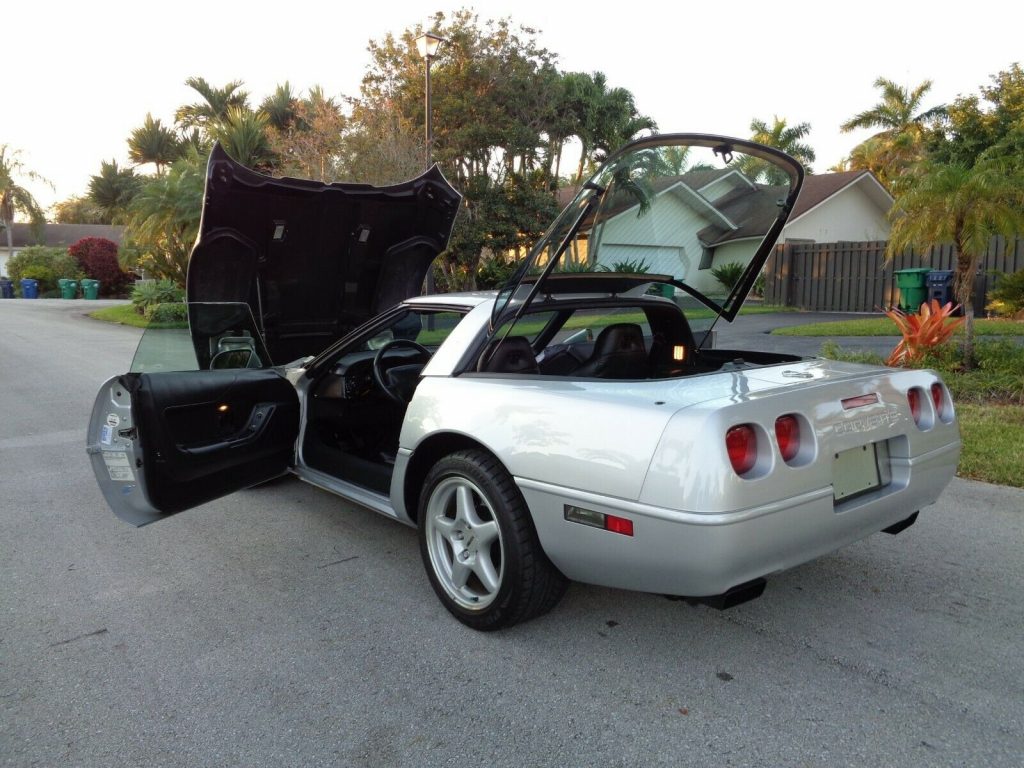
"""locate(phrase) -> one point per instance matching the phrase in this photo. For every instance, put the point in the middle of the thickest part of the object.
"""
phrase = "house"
(54, 235)
(833, 207)
(706, 218)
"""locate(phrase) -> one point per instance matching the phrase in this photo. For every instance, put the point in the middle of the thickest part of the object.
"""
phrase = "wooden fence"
(855, 277)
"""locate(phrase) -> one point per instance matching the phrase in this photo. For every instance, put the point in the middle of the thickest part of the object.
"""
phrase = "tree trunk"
(963, 287)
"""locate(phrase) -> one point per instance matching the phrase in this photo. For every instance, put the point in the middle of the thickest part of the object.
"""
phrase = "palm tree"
(280, 107)
(153, 143)
(313, 144)
(964, 205)
(606, 118)
(165, 218)
(902, 122)
(783, 137)
(215, 104)
(112, 190)
(14, 198)
(243, 134)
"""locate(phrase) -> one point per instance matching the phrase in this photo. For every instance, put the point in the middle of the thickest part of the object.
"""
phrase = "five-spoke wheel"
(479, 546)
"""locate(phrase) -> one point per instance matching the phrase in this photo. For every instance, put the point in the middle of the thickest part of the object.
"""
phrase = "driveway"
(755, 332)
(283, 627)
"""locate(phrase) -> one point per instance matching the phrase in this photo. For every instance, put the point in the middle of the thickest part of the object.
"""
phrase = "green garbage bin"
(91, 289)
(913, 285)
(68, 288)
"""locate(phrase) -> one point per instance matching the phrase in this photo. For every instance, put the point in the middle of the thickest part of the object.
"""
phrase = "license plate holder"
(859, 470)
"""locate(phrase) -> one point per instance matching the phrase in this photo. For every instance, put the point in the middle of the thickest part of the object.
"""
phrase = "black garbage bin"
(940, 285)
(6, 288)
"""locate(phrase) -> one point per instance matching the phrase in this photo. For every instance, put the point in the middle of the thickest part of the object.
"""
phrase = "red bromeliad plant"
(931, 326)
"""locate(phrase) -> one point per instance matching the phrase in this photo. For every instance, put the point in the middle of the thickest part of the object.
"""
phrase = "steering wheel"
(397, 387)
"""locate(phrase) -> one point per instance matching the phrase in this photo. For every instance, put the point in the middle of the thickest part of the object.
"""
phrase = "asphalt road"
(282, 627)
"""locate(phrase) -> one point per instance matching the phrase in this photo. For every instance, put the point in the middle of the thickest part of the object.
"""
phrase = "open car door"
(199, 416)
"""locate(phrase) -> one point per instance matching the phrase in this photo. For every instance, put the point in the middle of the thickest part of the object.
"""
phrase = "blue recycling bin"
(29, 288)
(6, 288)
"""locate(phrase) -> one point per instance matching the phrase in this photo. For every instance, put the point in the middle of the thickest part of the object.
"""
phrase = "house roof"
(58, 235)
(820, 187)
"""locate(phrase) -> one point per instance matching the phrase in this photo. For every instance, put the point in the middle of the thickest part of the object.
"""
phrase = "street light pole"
(427, 45)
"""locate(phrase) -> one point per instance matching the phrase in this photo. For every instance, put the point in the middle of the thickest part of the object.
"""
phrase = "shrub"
(151, 292)
(997, 377)
(166, 313)
(97, 258)
(47, 265)
(728, 274)
(628, 267)
(930, 327)
(1007, 298)
(494, 273)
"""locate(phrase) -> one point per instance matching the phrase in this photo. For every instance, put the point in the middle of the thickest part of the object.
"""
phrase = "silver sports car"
(577, 424)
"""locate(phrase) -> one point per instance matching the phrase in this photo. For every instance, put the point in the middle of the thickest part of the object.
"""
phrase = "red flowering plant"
(931, 326)
(97, 257)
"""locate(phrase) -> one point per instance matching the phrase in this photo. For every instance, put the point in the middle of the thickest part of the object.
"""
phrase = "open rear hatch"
(674, 207)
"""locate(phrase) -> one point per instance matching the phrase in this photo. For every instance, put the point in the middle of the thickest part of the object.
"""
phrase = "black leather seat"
(619, 353)
(509, 355)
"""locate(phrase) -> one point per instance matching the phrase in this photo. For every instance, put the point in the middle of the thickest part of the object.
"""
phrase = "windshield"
(699, 214)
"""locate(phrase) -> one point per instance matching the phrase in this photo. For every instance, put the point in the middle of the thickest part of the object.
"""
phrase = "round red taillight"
(914, 401)
(937, 397)
(741, 443)
(787, 432)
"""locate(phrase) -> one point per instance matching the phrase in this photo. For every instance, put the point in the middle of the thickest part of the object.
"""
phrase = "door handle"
(254, 427)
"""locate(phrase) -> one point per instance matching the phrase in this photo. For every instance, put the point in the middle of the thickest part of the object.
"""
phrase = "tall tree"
(165, 219)
(900, 142)
(215, 104)
(15, 198)
(782, 136)
(965, 205)
(243, 133)
(311, 142)
(280, 107)
(112, 191)
(605, 118)
(989, 124)
(77, 210)
(492, 103)
(154, 143)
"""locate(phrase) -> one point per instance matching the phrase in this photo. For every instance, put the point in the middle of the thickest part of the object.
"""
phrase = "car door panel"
(166, 442)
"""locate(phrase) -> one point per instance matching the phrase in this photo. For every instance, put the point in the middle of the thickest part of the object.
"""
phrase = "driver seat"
(619, 353)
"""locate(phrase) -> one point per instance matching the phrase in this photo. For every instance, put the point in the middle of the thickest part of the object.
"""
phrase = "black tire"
(457, 544)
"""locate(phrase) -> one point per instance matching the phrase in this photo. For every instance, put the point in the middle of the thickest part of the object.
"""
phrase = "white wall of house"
(4, 256)
(848, 215)
(727, 253)
(665, 237)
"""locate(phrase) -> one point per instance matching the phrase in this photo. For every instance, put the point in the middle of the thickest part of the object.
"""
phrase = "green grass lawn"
(883, 326)
(993, 438)
(125, 314)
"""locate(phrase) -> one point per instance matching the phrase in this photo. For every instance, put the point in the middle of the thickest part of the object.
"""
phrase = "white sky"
(82, 75)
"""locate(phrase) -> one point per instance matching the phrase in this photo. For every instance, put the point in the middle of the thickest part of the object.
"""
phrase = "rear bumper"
(688, 553)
